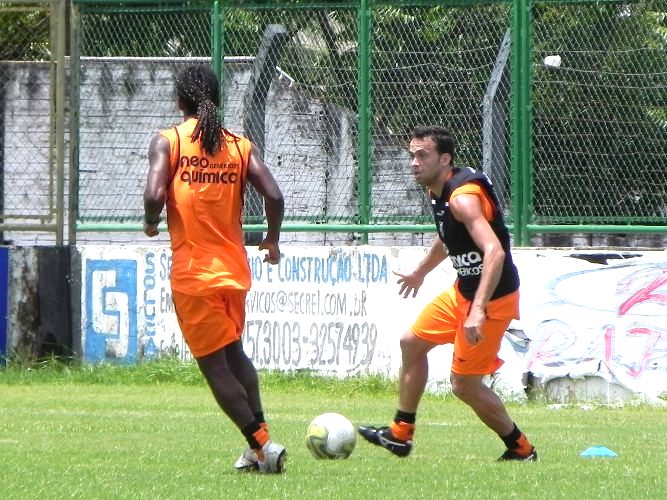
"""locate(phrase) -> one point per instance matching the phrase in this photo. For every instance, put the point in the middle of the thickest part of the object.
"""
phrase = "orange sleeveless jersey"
(204, 212)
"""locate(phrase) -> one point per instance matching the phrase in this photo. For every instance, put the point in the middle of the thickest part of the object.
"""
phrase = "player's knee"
(458, 388)
(406, 339)
(464, 388)
(411, 344)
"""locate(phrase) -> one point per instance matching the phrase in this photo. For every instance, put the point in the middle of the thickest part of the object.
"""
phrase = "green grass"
(154, 431)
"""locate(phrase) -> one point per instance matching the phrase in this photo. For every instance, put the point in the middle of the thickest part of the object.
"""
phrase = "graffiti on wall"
(603, 320)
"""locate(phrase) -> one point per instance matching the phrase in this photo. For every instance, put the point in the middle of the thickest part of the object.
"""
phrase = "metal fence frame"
(521, 119)
(55, 221)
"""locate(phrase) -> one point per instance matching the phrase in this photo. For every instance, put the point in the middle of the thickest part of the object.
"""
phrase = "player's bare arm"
(155, 193)
(263, 181)
(468, 210)
(411, 282)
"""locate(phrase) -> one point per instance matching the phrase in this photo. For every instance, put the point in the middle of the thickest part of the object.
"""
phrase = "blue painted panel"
(111, 311)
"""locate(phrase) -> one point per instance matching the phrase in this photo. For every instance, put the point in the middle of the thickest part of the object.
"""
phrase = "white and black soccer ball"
(331, 435)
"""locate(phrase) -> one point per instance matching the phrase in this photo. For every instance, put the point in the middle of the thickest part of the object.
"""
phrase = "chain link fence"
(27, 141)
(600, 113)
(438, 65)
(129, 59)
(563, 104)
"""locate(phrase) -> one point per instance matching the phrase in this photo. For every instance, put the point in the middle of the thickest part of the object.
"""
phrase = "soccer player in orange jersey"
(199, 170)
(473, 313)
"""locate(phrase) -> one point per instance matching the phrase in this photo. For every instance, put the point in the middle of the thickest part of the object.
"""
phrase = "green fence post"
(521, 116)
(75, 87)
(527, 120)
(515, 142)
(216, 52)
(364, 96)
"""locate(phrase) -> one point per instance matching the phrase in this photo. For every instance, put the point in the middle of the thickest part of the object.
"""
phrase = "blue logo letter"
(111, 311)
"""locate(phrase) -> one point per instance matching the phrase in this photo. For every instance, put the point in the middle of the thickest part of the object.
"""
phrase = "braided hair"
(199, 91)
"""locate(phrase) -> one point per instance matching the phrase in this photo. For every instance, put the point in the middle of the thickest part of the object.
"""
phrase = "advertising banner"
(336, 311)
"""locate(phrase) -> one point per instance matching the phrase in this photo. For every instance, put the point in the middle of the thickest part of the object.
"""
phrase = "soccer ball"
(331, 435)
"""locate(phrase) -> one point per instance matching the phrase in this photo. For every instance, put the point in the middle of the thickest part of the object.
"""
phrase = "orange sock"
(524, 447)
(402, 430)
(261, 436)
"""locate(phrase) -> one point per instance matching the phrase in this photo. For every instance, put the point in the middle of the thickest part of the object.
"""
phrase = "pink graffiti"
(648, 291)
(539, 353)
(653, 336)
(555, 339)
(645, 294)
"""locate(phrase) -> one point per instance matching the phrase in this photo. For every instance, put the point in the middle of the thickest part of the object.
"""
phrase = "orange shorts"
(441, 322)
(210, 322)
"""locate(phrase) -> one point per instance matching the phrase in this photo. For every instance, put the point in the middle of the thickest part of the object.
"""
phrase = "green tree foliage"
(321, 54)
(145, 31)
(24, 33)
(427, 64)
(432, 65)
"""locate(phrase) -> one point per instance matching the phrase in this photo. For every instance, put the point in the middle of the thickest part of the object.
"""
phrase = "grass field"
(155, 432)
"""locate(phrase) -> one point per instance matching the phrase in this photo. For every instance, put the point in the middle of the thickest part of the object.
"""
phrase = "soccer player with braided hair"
(200, 170)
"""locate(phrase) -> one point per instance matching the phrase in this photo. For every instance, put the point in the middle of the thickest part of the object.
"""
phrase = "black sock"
(402, 416)
(511, 439)
(249, 431)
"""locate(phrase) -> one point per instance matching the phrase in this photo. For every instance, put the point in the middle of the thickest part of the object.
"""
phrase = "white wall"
(337, 311)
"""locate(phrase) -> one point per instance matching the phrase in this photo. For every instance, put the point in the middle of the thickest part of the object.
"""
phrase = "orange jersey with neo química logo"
(204, 212)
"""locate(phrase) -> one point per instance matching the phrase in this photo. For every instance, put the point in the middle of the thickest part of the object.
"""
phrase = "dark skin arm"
(259, 175)
(263, 181)
(155, 193)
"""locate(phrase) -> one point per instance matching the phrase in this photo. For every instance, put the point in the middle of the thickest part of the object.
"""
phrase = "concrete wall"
(310, 146)
(591, 327)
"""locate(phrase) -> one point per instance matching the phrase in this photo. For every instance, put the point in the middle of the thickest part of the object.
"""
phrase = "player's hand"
(151, 230)
(472, 328)
(272, 248)
(409, 283)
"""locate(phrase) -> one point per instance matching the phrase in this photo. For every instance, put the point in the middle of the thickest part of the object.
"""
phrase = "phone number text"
(321, 344)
